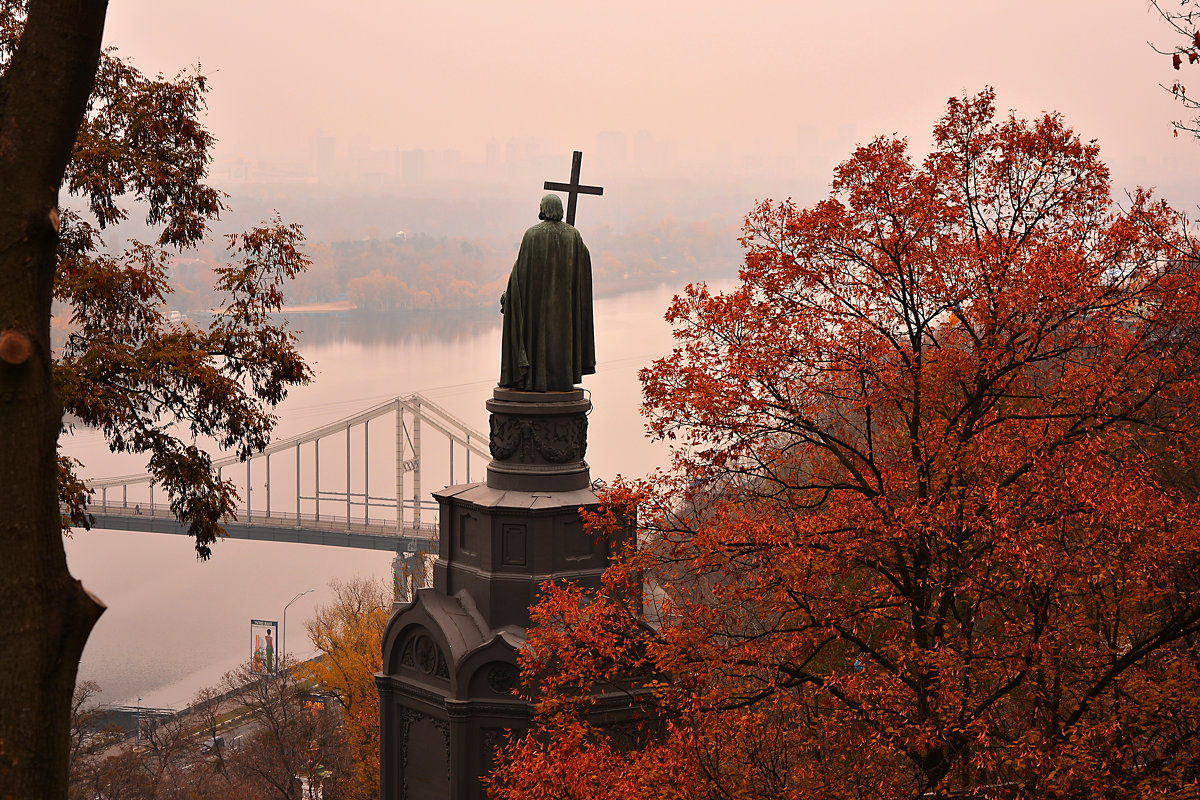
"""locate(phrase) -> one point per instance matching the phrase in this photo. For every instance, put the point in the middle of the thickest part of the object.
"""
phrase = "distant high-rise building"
(644, 154)
(368, 165)
(653, 155)
(451, 166)
(324, 156)
(412, 166)
(612, 150)
(492, 159)
(526, 151)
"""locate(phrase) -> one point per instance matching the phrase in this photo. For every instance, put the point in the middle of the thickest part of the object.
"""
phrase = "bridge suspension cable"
(352, 509)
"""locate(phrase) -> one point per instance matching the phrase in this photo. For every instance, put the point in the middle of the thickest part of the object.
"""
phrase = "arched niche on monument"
(418, 651)
(498, 679)
(491, 672)
(427, 639)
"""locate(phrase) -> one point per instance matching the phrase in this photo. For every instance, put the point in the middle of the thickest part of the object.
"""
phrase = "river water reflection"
(175, 625)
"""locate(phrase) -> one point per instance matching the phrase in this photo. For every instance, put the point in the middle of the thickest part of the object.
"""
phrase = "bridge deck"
(279, 527)
(299, 464)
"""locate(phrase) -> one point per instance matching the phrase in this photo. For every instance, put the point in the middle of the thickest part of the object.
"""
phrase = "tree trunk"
(45, 615)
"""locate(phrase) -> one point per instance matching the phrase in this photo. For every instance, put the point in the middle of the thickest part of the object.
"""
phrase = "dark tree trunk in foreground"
(45, 615)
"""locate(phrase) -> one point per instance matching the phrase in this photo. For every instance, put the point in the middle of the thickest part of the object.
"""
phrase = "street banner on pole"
(264, 639)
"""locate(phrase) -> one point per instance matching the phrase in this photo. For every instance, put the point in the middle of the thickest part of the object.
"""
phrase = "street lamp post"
(283, 628)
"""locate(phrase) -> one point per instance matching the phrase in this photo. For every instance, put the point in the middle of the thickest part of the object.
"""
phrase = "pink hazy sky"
(763, 78)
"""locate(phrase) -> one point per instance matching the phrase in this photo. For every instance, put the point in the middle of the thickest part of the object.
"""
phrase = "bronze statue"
(549, 344)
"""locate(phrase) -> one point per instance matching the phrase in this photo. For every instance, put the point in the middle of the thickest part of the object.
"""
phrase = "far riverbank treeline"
(399, 271)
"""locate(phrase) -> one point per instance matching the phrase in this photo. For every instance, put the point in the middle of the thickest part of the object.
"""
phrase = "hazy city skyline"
(766, 86)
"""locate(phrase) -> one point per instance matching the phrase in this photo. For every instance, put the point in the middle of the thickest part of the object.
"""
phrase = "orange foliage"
(349, 635)
(931, 528)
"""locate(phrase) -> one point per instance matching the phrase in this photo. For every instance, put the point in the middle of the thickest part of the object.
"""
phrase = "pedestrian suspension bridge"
(356, 482)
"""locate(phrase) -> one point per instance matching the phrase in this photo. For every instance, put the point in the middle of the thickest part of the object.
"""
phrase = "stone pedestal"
(538, 440)
(448, 688)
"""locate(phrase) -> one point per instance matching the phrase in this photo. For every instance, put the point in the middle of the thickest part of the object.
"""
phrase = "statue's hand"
(502, 302)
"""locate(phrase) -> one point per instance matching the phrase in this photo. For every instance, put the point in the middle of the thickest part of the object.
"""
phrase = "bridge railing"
(308, 505)
(277, 519)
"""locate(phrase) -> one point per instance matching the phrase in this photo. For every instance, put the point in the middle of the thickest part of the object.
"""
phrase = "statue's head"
(551, 208)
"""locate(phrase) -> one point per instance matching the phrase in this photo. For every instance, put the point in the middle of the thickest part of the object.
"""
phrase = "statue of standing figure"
(549, 342)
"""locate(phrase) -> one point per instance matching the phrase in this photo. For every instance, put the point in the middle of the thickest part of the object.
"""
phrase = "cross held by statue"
(574, 188)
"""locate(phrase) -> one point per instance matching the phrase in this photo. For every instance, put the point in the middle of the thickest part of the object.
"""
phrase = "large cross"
(573, 189)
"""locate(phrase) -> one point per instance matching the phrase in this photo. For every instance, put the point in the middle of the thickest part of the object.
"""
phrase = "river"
(175, 625)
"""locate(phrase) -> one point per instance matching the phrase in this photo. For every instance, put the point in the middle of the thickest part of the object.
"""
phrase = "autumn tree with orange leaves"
(931, 527)
(348, 633)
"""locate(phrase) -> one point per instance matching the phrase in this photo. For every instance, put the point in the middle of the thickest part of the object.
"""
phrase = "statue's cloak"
(549, 341)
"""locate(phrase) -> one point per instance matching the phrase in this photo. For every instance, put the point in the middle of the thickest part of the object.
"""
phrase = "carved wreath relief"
(555, 440)
(502, 678)
(422, 654)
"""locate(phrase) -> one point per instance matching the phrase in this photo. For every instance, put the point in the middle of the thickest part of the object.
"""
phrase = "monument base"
(449, 689)
(447, 696)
